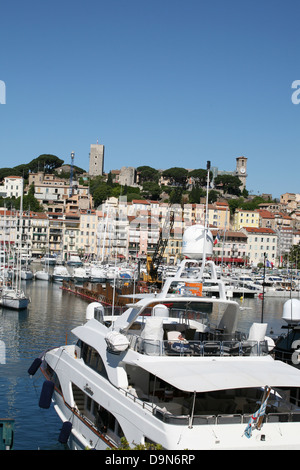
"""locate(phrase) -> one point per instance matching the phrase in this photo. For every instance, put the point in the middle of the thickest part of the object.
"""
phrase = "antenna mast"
(71, 174)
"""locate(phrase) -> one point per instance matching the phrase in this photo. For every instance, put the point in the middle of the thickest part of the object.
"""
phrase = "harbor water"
(48, 321)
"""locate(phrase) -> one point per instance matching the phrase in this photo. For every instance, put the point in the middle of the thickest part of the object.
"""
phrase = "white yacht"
(161, 373)
(97, 274)
(60, 274)
(74, 260)
(81, 274)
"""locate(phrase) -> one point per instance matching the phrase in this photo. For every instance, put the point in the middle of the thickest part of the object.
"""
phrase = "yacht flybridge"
(161, 373)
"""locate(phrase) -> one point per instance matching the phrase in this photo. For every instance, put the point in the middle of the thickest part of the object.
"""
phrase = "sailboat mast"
(206, 223)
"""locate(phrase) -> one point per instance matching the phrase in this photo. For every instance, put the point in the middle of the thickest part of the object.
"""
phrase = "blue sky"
(160, 82)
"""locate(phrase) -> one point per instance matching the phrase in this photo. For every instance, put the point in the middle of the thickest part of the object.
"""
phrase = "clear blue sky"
(160, 82)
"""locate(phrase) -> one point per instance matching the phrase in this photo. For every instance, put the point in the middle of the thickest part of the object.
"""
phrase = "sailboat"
(12, 296)
(43, 274)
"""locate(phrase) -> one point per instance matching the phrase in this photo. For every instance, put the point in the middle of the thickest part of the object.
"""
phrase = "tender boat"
(161, 373)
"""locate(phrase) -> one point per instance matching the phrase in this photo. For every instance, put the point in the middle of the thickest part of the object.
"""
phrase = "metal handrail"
(166, 417)
(202, 419)
(197, 348)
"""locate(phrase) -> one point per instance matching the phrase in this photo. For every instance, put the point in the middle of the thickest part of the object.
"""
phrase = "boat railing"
(153, 347)
(166, 417)
(143, 403)
(201, 419)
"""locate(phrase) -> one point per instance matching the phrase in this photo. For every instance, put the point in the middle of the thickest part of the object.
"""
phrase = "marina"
(149, 298)
(47, 322)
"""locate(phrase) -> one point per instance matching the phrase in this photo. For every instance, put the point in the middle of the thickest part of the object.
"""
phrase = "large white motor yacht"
(161, 373)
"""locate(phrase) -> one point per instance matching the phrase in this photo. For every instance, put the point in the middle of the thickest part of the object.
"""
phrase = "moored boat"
(14, 299)
(60, 274)
(162, 373)
(81, 274)
(74, 260)
(42, 275)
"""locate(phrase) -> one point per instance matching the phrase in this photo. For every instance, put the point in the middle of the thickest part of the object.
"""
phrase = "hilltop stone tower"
(96, 160)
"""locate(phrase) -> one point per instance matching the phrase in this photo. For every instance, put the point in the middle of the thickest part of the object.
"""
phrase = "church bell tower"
(241, 170)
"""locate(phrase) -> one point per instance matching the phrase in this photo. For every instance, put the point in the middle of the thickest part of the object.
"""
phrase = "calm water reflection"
(51, 315)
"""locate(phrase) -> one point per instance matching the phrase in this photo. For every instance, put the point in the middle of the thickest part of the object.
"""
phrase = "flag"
(254, 420)
(269, 264)
(217, 239)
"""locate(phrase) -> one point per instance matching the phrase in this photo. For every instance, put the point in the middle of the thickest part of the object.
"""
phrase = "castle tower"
(241, 170)
(96, 160)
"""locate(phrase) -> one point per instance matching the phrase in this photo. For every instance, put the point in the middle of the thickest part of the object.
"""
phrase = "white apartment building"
(12, 186)
(8, 224)
(260, 241)
(86, 237)
(285, 240)
(39, 234)
(231, 247)
(112, 231)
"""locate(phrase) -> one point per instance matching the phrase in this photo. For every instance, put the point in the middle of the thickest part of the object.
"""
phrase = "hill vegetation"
(182, 186)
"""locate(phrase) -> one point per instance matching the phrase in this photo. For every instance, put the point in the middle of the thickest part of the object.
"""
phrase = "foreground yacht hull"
(161, 374)
(272, 436)
(81, 394)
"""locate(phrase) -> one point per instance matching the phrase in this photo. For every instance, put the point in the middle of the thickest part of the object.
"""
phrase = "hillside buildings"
(130, 230)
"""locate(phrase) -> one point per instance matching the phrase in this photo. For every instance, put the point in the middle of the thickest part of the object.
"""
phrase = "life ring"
(261, 296)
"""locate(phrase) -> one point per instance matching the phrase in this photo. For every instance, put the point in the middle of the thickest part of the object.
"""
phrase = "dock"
(6, 434)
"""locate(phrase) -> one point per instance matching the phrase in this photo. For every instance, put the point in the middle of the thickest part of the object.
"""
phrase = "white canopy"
(205, 374)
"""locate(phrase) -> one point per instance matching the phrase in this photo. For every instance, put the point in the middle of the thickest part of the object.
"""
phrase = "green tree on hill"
(151, 190)
(147, 173)
(200, 176)
(46, 163)
(229, 183)
(177, 176)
